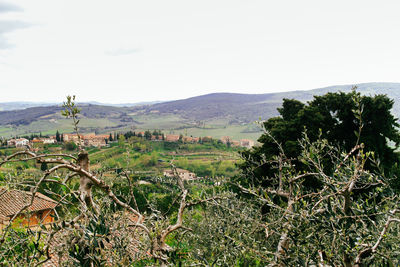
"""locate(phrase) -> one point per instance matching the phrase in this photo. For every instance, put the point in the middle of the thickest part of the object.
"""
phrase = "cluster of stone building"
(20, 142)
(85, 139)
(101, 140)
(90, 139)
(23, 142)
(247, 143)
(227, 140)
(185, 175)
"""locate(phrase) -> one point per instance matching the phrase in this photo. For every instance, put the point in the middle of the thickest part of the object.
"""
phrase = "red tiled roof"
(172, 137)
(11, 202)
(3, 218)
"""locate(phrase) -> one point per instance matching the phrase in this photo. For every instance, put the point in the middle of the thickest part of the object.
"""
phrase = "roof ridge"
(42, 196)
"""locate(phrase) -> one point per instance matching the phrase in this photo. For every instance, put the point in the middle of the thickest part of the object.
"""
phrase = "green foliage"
(58, 136)
(147, 135)
(26, 247)
(170, 145)
(341, 220)
(43, 166)
(70, 146)
(226, 234)
(334, 116)
(121, 141)
(87, 245)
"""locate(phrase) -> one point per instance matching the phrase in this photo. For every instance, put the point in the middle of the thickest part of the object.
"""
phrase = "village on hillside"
(101, 140)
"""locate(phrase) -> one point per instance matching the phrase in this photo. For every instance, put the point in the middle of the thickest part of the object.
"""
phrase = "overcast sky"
(131, 51)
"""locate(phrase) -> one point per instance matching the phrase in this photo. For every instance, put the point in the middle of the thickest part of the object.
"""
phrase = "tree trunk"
(85, 187)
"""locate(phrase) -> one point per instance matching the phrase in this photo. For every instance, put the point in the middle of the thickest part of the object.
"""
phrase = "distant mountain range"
(217, 112)
(250, 107)
(23, 105)
(6, 106)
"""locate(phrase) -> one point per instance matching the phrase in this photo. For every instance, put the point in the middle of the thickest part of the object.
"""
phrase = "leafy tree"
(333, 117)
(70, 146)
(156, 134)
(129, 134)
(147, 135)
(43, 166)
(121, 140)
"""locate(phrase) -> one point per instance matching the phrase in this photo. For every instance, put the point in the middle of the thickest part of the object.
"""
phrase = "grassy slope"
(205, 159)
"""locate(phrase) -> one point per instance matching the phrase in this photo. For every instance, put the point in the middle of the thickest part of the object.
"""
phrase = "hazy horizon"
(158, 101)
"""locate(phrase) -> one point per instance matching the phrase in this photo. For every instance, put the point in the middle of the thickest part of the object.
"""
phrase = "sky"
(127, 51)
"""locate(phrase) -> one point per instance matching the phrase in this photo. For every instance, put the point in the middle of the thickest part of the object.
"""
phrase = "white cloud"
(7, 7)
(7, 26)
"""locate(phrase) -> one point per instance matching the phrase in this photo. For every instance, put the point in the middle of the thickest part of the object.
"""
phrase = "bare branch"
(368, 251)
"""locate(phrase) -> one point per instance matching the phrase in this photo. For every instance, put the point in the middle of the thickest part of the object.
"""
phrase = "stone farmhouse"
(72, 137)
(172, 137)
(43, 141)
(12, 201)
(247, 143)
(235, 143)
(185, 175)
(226, 139)
(87, 140)
(21, 142)
(156, 137)
(189, 139)
(95, 140)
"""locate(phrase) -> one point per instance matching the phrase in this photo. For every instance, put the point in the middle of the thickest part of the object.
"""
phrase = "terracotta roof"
(172, 137)
(13, 201)
(3, 218)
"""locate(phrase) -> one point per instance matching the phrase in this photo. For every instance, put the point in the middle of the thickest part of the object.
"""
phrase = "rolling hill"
(216, 114)
(250, 107)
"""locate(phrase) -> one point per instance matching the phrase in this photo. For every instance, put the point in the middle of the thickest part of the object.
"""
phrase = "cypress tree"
(58, 138)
